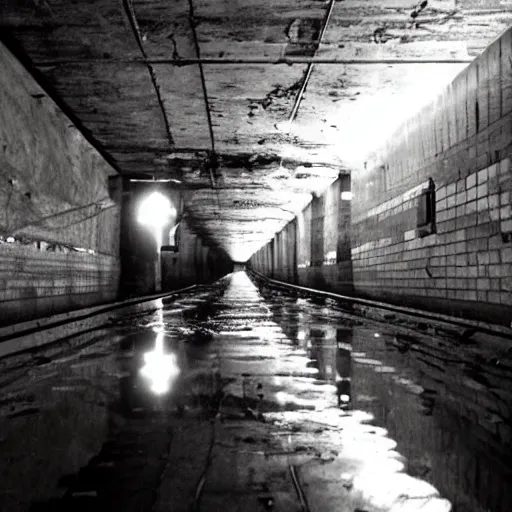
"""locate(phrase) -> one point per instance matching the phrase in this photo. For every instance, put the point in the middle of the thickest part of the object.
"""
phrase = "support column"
(343, 250)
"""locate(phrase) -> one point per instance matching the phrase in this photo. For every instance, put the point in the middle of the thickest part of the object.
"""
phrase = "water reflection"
(330, 351)
(150, 364)
(343, 377)
(344, 368)
(400, 411)
(443, 418)
(160, 369)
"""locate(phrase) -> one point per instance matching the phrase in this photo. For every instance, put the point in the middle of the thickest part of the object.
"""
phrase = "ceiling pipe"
(130, 13)
(205, 93)
(199, 61)
(289, 61)
(309, 70)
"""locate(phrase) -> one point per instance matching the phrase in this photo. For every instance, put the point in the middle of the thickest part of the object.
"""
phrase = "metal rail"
(35, 333)
(298, 489)
(462, 323)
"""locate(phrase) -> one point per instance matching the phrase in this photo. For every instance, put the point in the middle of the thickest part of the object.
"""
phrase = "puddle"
(99, 418)
(446, 427)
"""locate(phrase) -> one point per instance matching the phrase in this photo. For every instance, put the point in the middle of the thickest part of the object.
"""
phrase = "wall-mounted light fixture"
(155, 211)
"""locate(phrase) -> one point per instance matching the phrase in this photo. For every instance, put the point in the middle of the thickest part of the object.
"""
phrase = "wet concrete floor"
(238, 399)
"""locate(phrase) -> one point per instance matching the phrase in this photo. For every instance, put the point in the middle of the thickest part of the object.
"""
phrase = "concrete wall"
(54, 197)
(463, 143)
(313, 250)
(281, 254)
(460, 263)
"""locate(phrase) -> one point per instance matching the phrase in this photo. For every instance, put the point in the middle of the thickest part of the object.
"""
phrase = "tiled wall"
(308, 250)
(317, 231)
(459, 147)
(468, 259)
(331, 210)
(304, 238)
(35, 283)
(464, 146)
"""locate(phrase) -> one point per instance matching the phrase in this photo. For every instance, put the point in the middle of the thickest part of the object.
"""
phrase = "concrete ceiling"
(211, 93)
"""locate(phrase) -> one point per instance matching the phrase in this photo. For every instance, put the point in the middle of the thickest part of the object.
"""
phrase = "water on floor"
(234, 398)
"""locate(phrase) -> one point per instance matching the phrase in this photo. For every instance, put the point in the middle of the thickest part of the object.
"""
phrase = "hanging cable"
(99, 208)
(201, 72)
(130, 13)
(212, 157)
(309, 70)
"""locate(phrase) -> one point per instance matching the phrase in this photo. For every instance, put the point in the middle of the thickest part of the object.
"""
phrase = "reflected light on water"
(284, 398)
(380, 476)
(388, 488)
(160, 368)
(158, 324)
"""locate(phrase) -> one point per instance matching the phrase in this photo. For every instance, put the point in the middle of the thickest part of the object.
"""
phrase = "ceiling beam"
(192, 20)
(254, 61)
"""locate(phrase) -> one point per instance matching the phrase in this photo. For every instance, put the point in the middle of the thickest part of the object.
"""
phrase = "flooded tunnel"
(241, 396)
(256, 256)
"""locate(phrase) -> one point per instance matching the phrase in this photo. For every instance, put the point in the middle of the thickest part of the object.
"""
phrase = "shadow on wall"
(191, 262)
